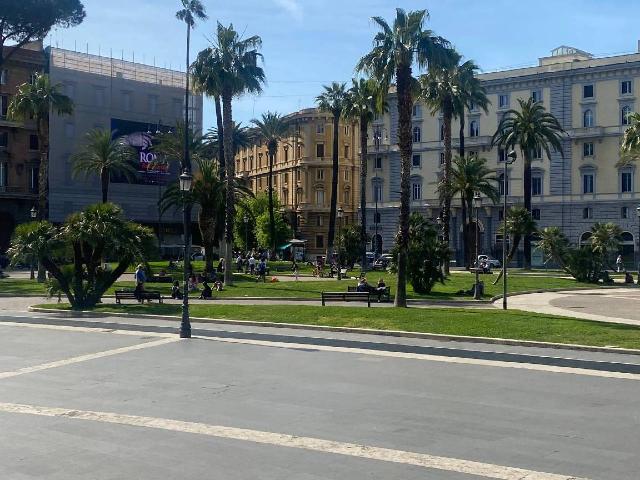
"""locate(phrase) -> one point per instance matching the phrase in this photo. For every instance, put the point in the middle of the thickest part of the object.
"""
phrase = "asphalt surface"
(73, 393)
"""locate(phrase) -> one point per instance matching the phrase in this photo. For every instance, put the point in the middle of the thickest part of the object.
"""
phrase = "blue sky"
(308, 43)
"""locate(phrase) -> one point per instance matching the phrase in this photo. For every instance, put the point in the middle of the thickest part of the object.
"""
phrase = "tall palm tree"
(273, 129)
(237, 73)
(396, 48)
(333, 100)
(241, 138)
(35, 100)
(364, 102)
(519, 224)
(532, 129)
(469, 175)
(471, 94)
(105, 155)
(630, 147)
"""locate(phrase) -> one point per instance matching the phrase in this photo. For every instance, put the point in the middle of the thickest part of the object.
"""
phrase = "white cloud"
(292, 7)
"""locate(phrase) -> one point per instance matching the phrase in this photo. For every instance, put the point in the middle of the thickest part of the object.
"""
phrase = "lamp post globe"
(186, 179)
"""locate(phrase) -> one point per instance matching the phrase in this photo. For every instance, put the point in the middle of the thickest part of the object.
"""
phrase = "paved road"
(117, 398)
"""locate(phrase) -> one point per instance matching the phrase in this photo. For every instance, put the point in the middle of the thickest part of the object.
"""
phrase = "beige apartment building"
(302, 174)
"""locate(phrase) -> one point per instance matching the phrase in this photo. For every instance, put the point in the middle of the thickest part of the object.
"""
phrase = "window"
(285, 178)
(4, 174)
(416, 190)
(474, 128)
(500, 218)
(33, 179)
(346, 151)
(624, 115)
(153, 104)
(126, 101)
(416, 161)
(442, 158)
(587, 183)
(320, 197)
(4, 74)
(286, 154)
(417, 135)
(33, 142)
(377, 164)
(502, 155)
(625, 87)
(377, 192)
(626, 182)
(587, 91)
(299, 151)
(587, 212)
(319, 241)
(536, 185)
(503, 101)
(376, 217)
(587, 149)
(472, 107)
(536, 95)
(32, 78)
(537, 153)
(587, 119)
(624, 212)
(319, 128)
(4, 139)
(320, 174)
(346, 197)
(346, 131)
(259, 160)
(4, 105)
(416, 110)
(441, 131)
(320, 150)
(501, 185)
(473, 154)
(535, 213)
(319, 221)
(346, 175)
(259, 183)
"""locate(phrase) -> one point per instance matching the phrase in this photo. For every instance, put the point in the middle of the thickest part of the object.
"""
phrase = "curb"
(560, 289)
(367, 331)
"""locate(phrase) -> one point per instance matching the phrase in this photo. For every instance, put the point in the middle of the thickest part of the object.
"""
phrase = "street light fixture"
(477, 201)
(340, 215)
(33, 212)
(511, 157)
(186, 179)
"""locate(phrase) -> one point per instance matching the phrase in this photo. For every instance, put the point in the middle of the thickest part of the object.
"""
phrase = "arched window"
(474, 128)
(417, 135)
(416, 188)
(585, 238)
(624, 115)
(587, 118)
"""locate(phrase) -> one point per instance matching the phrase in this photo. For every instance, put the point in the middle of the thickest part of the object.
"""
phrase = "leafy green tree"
(334, 100)
(365, 100)
(630, 147)
(256, 209)
(35, 100)
(264, 234)
(519, 224)
(470, 175)
(351, 244)
(554, 245)
(106, 156)
(273, 129)
(27, 20)
(87, 237)
(426, 255)
(396, 49)
(533, 129)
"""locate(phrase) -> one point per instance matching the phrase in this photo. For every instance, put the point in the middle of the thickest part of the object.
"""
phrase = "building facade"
(19, 157)
(135, 101)
(303, 172)
(591, 98)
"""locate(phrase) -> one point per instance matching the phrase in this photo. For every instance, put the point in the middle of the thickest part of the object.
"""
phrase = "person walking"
(252, 264)
(140, 276)
(239, 263)
(296, 272)
(619, 263)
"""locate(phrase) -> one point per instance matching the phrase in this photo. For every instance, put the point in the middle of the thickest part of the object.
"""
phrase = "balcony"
(586, 132)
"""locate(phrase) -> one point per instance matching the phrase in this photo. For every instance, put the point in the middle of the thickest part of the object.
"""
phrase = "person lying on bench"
(207, 293)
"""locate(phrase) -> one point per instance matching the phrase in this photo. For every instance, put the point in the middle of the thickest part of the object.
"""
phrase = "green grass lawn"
(246, 286)
(512, 324)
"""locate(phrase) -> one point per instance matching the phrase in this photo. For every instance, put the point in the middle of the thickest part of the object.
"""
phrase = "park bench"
(481, 271)
(160, 279)
(282, 268)
(384, 297)
(131, 295)
(346, 297)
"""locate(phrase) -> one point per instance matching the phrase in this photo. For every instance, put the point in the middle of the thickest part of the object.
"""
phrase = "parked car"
(489, 260)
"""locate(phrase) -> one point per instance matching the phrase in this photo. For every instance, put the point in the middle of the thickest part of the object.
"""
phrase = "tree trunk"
(230, 193)
(272, 218)
(43, 181)
(465, 231)
(462, 125)
(220, 128)
(527, 205)
(363, 190)
(405, 104)
(208, 225)
(334, 189)
(512, 252)
(447, 112)
(104, 182)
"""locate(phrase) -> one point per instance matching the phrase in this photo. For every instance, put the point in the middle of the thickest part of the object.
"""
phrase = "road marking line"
(435, 358)
(69, 328)
(84, 358)
(486, 470)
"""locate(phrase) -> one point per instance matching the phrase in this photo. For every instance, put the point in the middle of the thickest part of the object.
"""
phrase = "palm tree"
(334, 100)
(364, 101)
(242, 137)
(395, 50)
(35, 100)
(469, 175)
(105, 155)
(533, 129)
(519, 224)
(630, 147)
(237, 72)
(471, 94)
(272, 129)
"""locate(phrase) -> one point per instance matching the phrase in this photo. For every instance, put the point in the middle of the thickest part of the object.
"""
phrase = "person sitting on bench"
(363, 286)
(175, 291)
(139, 292)
(206, 294)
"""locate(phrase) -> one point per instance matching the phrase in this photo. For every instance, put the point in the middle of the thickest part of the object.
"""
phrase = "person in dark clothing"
(207, 293)
(175, 291)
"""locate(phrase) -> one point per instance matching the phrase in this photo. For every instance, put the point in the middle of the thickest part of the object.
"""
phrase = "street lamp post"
(477, 201)
(511, 157)
(638, 256)
(245, 219)
(185, 187)
(340, 215)
(34, 214)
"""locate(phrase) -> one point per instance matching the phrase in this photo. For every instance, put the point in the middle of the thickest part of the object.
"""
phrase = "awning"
(284, 247)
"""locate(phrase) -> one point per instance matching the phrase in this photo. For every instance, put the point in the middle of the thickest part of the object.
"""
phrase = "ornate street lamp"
(245, 219)
(34, 214)
(186, 179)
(511, 157)
(477, 201)
(340, 215)
(638, 257)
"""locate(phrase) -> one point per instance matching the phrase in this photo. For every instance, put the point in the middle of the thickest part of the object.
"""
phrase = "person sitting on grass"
(218, 285)
(176, 293)
(207, 293)
(192, 284)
